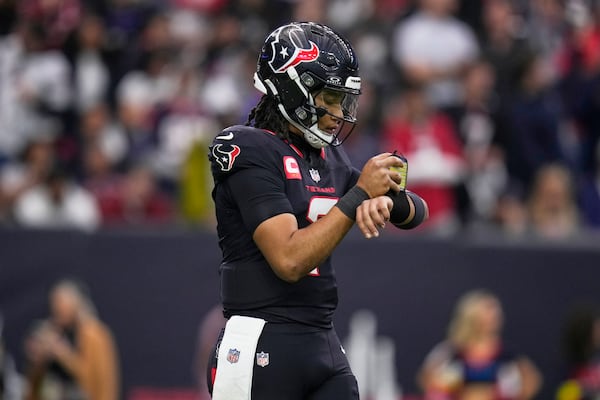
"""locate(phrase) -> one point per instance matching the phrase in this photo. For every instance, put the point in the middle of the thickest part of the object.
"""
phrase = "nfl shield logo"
(314, 174)
(262, 359)
(233, 356)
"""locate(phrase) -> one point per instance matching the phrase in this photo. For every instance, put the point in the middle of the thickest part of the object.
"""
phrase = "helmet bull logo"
(281, 59)
(225, 158)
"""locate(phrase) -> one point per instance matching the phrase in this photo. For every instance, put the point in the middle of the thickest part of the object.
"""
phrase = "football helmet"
(296, 63)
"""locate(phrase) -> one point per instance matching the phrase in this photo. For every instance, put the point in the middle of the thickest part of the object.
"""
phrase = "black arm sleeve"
(401, 210)
(260, 194)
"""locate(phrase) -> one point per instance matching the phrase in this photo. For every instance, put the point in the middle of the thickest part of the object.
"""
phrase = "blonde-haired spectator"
(473, 362)
(72, 355)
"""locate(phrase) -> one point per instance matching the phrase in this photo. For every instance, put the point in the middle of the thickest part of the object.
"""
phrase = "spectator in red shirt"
(427, 138)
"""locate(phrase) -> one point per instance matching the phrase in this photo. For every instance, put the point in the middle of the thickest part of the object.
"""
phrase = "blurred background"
(106, 111)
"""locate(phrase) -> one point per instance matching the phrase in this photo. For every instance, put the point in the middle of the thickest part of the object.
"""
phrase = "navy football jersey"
(259, 175)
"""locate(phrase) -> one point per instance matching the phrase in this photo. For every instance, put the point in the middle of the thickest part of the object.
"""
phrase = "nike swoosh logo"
(225, 137)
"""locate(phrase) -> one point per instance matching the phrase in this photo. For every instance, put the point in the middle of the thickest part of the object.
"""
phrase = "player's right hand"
(372, 215)
(377, 179)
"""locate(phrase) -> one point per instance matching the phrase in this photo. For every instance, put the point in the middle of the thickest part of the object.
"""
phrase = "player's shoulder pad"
(239, 147)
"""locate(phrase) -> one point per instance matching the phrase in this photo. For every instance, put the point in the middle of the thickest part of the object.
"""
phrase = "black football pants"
(297, 362)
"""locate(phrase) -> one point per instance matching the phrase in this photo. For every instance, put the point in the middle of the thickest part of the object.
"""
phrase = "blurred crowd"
(107, 106)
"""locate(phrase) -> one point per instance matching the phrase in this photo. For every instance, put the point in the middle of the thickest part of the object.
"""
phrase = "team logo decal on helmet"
(282, 59)
(225, 158)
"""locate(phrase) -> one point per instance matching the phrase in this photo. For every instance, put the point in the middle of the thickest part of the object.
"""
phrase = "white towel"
(233, 380)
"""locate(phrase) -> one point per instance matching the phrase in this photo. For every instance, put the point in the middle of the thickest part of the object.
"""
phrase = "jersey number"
(318, 207)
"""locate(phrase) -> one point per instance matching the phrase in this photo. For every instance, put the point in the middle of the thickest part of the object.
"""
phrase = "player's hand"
(372, 215)
(376, 177)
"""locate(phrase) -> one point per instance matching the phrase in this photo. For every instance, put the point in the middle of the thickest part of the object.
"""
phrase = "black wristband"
(351, 200)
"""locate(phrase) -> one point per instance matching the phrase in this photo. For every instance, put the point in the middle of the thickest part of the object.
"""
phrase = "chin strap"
(315, 141)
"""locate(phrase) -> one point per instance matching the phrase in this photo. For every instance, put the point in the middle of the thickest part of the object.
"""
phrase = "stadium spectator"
(102, 180)
(91, 72)
(427, 138)
(126, 22)
(98, 127)
(226, 91)
(504, 44)
(432, 48)
(139, 95)
(546, 30)
(57, 203)
(373, 26)
(476, 122)
(535, 117)
(510, 214)
(72, 354)
(552, 205)
(35, 90)
(29, 171)
(581, 344)
(581, 85)
(474, 362)
(586, 20)
(184, 121)
(191, 32)
(154, 38)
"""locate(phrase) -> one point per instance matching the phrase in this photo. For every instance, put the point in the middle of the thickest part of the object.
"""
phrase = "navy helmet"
(298, 61)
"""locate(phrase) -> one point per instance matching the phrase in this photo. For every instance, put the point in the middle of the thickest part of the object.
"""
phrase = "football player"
(285, 196)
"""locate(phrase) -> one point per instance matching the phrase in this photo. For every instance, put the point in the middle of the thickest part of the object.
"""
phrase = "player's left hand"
(372, 215)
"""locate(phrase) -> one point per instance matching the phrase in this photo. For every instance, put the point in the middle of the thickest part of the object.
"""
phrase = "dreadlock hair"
(266, 115)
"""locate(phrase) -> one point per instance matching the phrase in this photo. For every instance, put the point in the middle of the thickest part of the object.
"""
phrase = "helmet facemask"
(340, 107)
